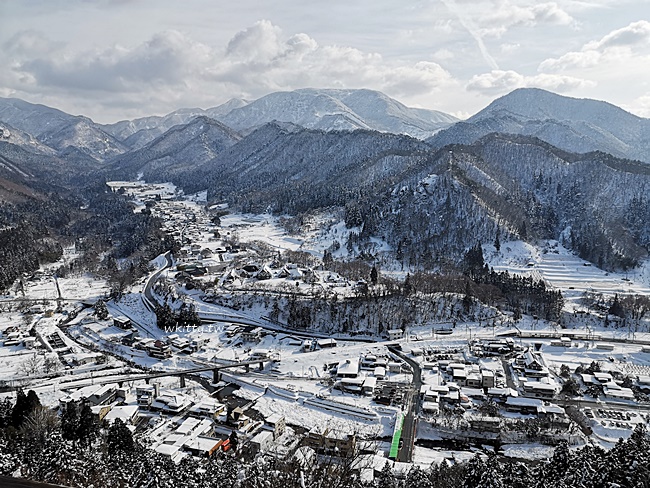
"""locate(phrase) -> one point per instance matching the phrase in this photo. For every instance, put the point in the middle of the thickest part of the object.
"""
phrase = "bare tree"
(40, 424)
(32, 365)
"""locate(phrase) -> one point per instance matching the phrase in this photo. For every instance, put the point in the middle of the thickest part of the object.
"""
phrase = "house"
(459, 375)
(316, 437)
(259, 354)
(305, 456)
(368, 361)
(613, 390)
(80, 359)
(145, 395)
(122, 321)
(172, 452)
(232, 330)
(532, 365)
(170, 402)
(324, 343)
(352, 385)
(537, 388)
(192, 426)
(251, 333)
(523, 405)
(128, 414)
(262, 442)
(474, 380)
(100, 411)
(277, 423)
(181, 344)
(487, 378)
(603, 377)
(431, 407)
(103, 395)
(203, 446)
(484, 424)
(237, 419)
(340, 443)
(369, 384)
(159, 350)
(208, 408)
(395, 334)
(379, 372)
(394, 367)
(500, 394)
(348, 368)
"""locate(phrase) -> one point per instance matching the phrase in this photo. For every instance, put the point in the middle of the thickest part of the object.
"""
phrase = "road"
(149, 301)
(510, 382)
(405, 454)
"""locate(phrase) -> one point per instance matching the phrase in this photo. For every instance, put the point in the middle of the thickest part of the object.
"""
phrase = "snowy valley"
(301, 280)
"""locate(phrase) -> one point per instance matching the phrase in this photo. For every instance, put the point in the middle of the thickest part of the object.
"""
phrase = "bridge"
(182, 373)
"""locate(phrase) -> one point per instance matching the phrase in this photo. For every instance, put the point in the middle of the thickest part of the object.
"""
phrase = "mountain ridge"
(576, 125)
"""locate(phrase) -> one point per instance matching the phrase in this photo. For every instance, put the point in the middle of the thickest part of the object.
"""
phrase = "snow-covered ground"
(564, 271)
(299, 386)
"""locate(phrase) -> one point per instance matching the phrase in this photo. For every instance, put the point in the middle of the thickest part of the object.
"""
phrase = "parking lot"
(616, 418)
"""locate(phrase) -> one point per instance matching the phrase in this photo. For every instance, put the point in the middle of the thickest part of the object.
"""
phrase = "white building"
(262, 442)
(348, 368)
(395, 334)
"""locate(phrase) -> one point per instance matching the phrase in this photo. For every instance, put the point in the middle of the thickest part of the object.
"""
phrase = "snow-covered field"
(563, 270)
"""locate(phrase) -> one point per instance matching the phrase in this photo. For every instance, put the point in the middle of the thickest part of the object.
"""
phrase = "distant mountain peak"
(338, 109)
(572, 124)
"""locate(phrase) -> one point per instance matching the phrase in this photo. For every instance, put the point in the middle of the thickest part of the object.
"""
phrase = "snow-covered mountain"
(59, 130)
(575, 125)
(330, 109)
(23, 139)
(434, 204)
(139, 132)
(182, 147)
(525, 166)
(310, 108)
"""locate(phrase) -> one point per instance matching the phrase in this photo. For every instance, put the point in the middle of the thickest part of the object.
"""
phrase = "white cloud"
(260, 43)
(505, 15)
(510, 48)
(627, 42)
(635, 34)
(640, 106)
(443, 54)
(171, 69)
(497, 82)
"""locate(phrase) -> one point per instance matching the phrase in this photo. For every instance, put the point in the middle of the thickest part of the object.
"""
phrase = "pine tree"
(88, 428)
(327, 259)
(374, 275)
(616, 308)
(70, 421)
(101, 311)
(119, 438)
(24, 406)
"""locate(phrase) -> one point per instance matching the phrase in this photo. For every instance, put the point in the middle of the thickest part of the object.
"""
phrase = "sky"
(121, 59)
